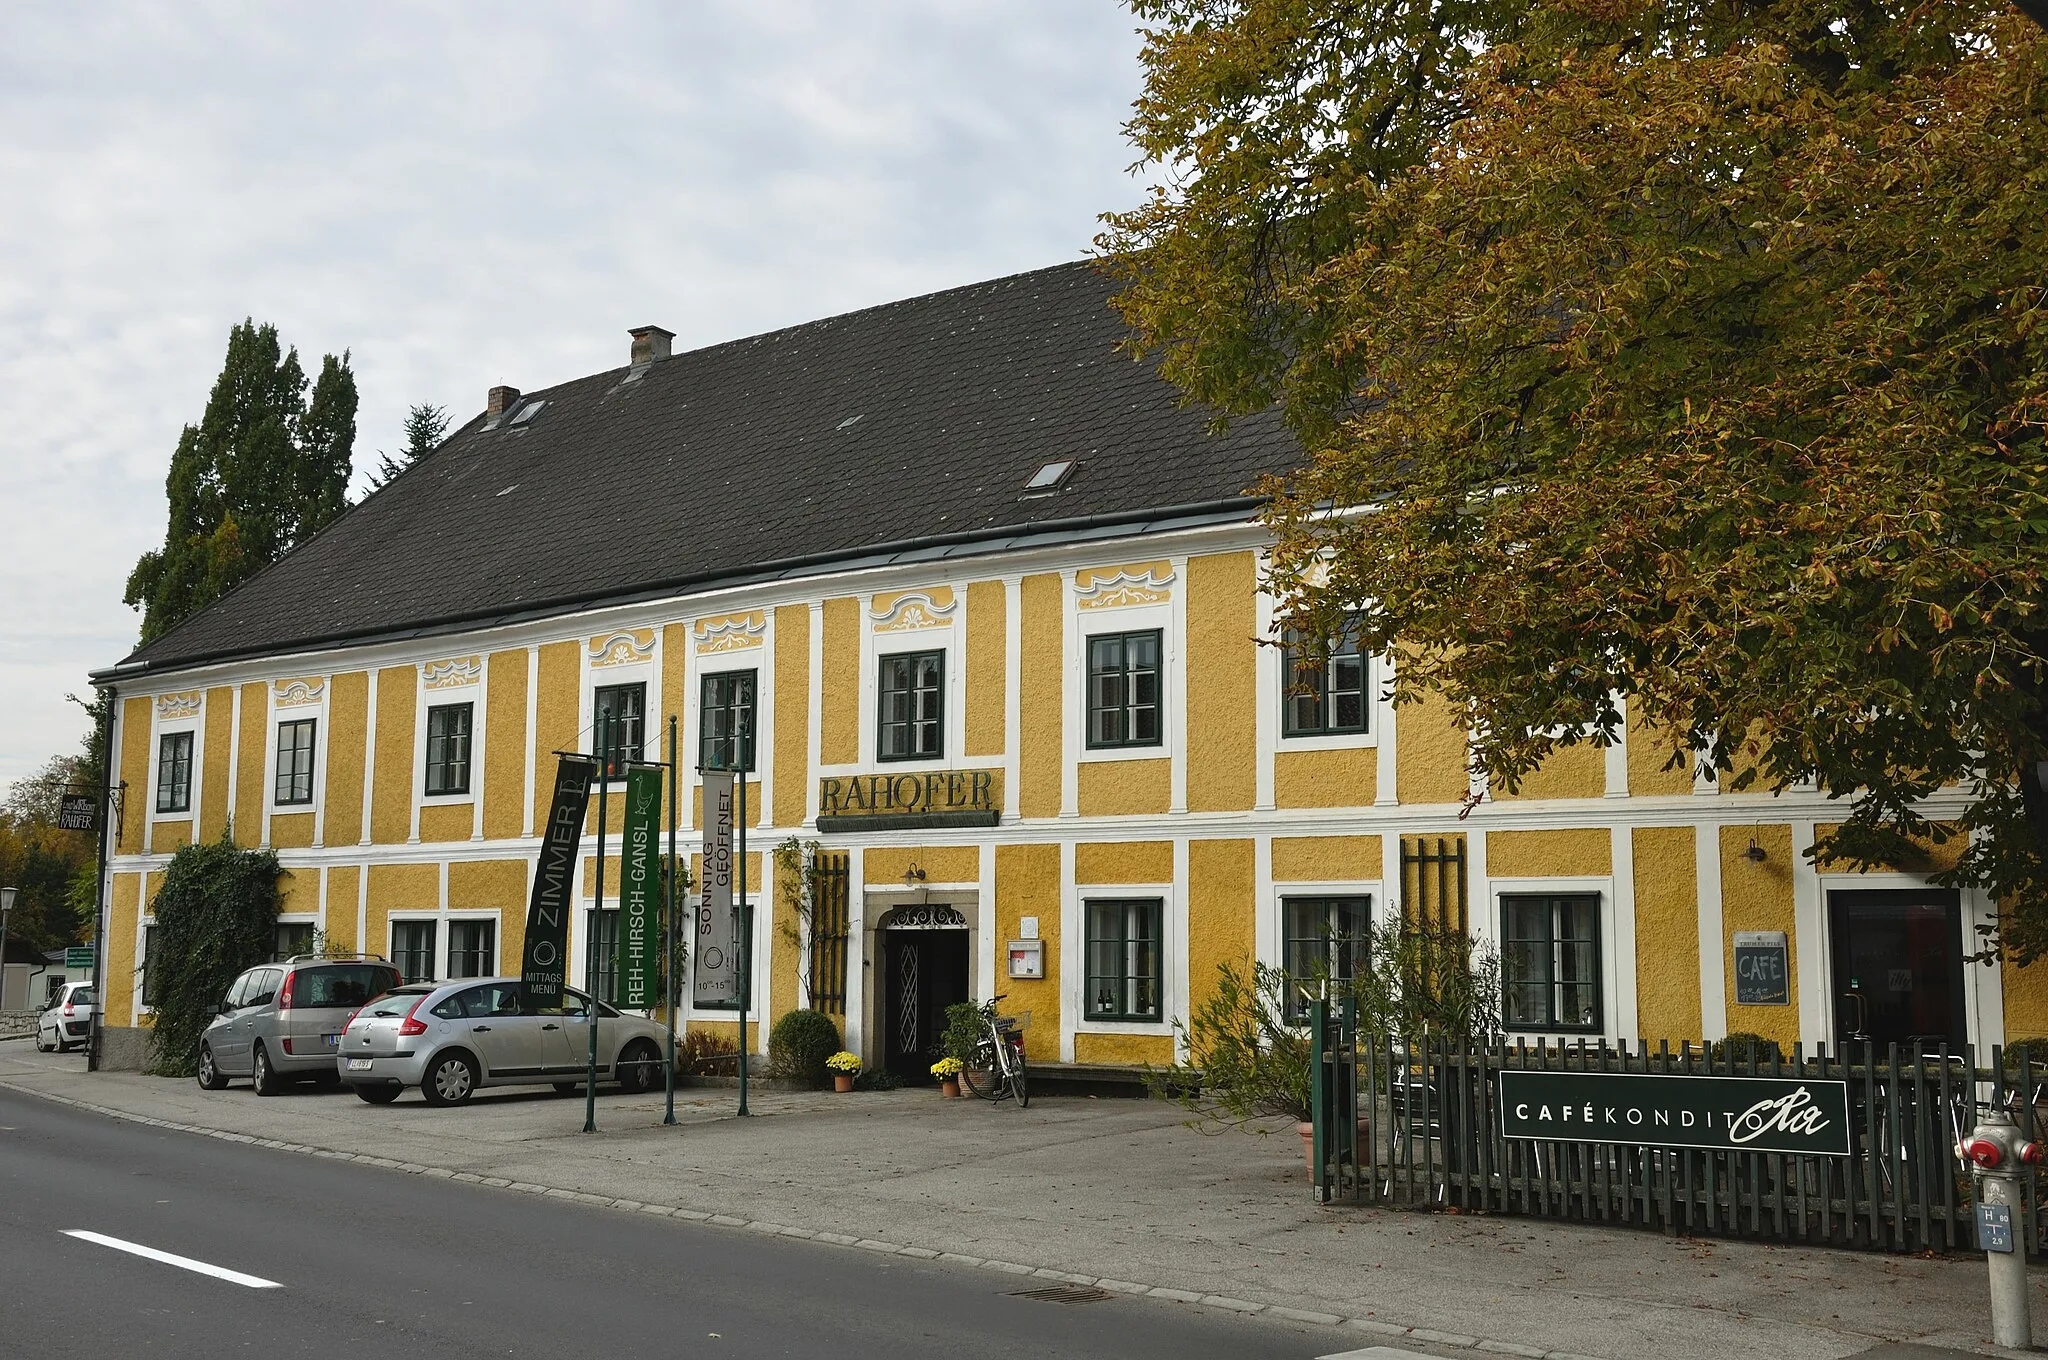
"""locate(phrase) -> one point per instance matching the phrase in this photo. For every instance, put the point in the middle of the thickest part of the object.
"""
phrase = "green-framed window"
(1327, 690)
(472, 947)
(601, 928)
(725, 721)
(291, 937)
(448, 727)
(618, 725)
(174, 772)
(1323, 937)
(1125, 958)
(1550, 961)
(912, 722)
(294, 787)
(1123, 690)
(413, 949)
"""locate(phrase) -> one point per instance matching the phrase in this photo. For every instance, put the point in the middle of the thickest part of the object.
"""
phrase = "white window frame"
(1173, 953)
(1145, 618)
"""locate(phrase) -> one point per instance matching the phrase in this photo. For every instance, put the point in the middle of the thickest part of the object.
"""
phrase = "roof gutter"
(781, 566)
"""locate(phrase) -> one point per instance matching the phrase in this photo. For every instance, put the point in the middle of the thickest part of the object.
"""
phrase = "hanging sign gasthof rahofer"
(639, 882)
(547, 913)
(1730, 1114)
(715, 981)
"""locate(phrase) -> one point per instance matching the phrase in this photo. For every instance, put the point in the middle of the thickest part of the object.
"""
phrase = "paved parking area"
(1121, 1189)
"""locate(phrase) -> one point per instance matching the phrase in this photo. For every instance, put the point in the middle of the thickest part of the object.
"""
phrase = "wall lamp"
(1755, 854)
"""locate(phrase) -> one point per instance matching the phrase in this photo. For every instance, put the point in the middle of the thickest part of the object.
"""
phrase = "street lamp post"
(6, 910)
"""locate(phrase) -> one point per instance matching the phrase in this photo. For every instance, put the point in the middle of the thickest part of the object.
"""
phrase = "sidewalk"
(1123, 1190)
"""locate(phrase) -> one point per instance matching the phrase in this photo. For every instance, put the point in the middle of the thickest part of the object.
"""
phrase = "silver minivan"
(282, 1021)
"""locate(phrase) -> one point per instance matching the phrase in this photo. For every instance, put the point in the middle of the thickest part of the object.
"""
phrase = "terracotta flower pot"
(842, 1081)
(1308, 1144)
(949, 1088)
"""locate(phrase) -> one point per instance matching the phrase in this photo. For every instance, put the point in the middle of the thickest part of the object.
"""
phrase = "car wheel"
(638, 1067)
(378, 1095)
(211, 1078)
(263, 1076)
(41, 1047)
(450, 1079)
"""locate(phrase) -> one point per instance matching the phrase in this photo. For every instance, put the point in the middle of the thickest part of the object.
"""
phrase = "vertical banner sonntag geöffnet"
(638, 884)
(716, 980)
(547, 914)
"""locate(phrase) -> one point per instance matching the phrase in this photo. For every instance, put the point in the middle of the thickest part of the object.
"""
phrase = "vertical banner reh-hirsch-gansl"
(716, 979)
(547, 914)
(638, 884)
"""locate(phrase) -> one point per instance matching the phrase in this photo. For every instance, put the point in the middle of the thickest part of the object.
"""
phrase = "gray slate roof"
(905, 428)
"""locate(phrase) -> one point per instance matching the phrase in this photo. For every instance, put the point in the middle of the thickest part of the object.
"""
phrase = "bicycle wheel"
(1019, 1086)
(982, 1075)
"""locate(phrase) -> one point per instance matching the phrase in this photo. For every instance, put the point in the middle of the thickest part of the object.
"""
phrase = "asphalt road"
(378, 1263)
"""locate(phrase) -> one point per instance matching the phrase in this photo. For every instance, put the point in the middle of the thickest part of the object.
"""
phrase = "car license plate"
(333, 1040)
(359, 1064)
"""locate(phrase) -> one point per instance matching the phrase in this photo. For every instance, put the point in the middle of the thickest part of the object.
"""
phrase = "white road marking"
(182, 1262)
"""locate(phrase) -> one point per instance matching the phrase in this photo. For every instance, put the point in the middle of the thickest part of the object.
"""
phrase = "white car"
(68, 1019)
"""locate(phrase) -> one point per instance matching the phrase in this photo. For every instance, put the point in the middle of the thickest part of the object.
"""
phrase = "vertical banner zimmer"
(716, 978)
(638, 884)
(547, 914)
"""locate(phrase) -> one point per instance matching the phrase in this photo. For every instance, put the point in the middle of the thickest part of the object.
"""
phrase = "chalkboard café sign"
(1727, 1114)
(893, 802)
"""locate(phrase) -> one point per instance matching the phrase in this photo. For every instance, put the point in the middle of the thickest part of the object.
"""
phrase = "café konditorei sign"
(715, 980)
(639, 882)
(547, 913)
(1726, 1114)
(907, 801)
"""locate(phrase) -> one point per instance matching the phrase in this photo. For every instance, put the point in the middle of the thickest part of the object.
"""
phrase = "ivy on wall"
(216, 915)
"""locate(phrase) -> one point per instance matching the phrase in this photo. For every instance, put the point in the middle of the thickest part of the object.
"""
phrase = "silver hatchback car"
(282, 1021)
(449, 1038)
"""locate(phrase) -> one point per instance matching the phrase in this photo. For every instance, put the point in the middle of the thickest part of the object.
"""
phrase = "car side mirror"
(221, 1007)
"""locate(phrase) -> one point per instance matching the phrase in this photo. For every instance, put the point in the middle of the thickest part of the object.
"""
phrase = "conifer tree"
(262, 471)
(425, 425)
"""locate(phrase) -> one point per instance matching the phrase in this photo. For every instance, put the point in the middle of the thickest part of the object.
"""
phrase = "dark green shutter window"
(472, 948)
(412, 949)
(295, 763)
(1123, 690)
(1550, 961)
(1322, 937)
(618, 721)
(174, 772)
(1125, 969)
(725, 721)
(1327, 694)
(913, 706)
(448, 749)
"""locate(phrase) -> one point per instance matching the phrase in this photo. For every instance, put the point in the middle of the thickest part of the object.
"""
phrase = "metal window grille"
(174, 772)
(1326, 686)
(293, 937)
(725, 719)
(831, 919)
(1550, 961)
(295, 762)
(448, 749)
(618, 716)
(1433, 884)
(1124, 959)
(1123, 689)
(601, 928)
(472, 948)
(1322, 937)
(912, 688)
(412, 949)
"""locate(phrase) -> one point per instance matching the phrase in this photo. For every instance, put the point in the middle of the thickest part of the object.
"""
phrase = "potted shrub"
(844, 1067)
(948, 1070)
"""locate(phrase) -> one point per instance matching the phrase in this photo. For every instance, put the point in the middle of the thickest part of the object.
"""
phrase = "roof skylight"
(528, 412)
(1049, 477)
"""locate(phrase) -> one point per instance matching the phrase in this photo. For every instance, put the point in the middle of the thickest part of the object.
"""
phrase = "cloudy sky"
(469, 195)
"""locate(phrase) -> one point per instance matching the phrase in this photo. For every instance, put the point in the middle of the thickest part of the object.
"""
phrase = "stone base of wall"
(16, 1023)
(123, 1050)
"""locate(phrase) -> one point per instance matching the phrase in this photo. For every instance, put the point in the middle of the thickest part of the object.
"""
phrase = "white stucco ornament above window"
(625, 648)
(171, 707)
(298, 693)
(1136, 583)
(908, 611)
(453, 673)
(730, 632)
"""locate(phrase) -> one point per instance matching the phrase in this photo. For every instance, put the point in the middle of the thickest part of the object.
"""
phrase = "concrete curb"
(1383, 1331)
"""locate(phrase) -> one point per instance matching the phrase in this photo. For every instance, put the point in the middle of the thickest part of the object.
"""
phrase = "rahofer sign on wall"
(1736, 1114)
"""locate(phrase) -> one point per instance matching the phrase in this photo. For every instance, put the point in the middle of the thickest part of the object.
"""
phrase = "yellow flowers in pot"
(948, 1069)
(843, 1061)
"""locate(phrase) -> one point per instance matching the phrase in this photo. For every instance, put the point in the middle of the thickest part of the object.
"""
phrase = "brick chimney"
(501, 400)
(650, 343)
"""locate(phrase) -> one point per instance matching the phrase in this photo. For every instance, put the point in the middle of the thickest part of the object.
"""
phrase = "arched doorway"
(922, 950)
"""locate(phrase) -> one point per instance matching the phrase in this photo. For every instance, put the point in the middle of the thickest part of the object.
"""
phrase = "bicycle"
(997, 1067)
